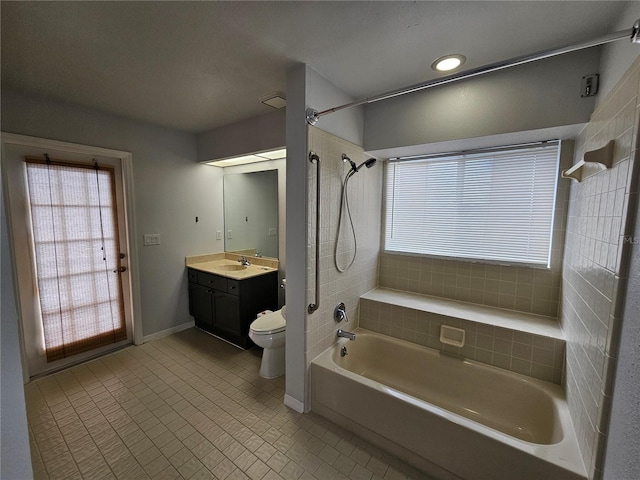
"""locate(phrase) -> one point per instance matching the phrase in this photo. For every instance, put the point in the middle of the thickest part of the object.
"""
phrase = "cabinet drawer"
(233, 287)
(212, 281)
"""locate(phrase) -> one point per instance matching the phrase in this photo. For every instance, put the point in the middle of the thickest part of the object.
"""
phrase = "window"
(492, 205)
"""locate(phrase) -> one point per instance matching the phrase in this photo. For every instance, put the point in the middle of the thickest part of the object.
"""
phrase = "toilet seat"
(269, 324)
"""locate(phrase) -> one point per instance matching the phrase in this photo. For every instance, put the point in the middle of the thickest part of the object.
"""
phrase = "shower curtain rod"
(633, 34)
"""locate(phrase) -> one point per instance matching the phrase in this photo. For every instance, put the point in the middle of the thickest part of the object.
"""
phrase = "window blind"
(490, 205)
(74, 224)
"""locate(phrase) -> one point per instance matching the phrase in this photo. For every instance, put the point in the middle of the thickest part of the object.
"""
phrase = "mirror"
(251, 213)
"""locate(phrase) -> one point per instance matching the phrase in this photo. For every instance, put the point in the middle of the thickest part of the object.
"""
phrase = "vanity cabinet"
(226, 307)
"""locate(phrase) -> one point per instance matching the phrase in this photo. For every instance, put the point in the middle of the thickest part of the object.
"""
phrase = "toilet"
(268, 332)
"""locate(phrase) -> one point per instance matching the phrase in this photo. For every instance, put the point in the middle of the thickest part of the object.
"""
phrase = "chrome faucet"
(243, 260)
(344, 334)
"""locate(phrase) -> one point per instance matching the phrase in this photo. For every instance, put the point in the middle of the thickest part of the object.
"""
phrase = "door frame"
(23, 293)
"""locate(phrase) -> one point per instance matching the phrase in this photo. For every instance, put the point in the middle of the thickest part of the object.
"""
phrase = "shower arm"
(633, 34)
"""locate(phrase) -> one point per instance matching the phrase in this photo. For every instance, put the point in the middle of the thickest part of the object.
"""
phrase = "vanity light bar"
(252, 158)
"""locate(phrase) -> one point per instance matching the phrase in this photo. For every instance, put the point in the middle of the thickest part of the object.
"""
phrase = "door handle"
(120, 270)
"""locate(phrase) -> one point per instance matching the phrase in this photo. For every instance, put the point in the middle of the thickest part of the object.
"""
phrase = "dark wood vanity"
(226, 306)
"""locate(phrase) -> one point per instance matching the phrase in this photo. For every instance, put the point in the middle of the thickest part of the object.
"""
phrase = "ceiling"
(195, 66)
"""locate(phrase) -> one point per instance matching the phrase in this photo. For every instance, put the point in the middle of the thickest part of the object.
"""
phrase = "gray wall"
(257, 134)
(15, 458)
(296, 246)
(528, 97)
(171, 189)
(322, 95)
(617, 56)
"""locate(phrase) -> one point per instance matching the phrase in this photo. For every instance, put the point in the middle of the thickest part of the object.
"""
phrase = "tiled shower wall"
(365, 194)
(601, 213)
(531, 290)
(537, 356)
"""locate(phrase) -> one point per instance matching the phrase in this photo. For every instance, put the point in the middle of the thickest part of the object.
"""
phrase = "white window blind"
(74, 223)
(490, 205)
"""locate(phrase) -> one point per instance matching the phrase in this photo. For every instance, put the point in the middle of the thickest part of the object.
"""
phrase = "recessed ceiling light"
(275, 100)
(448, 62)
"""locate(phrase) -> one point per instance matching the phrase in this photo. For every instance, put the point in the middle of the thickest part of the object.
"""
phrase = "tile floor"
(187, 406)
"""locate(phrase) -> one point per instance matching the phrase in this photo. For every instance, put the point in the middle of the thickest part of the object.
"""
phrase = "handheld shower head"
(367, 163)
(347, 159)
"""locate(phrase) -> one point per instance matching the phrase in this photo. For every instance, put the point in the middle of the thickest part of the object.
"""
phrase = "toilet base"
(272, 365)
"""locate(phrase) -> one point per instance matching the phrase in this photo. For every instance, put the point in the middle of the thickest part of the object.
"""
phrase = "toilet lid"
(269, 323)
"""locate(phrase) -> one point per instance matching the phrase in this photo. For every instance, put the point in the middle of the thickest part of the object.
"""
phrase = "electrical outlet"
(151, 239)
(229, 233)
(218, 235)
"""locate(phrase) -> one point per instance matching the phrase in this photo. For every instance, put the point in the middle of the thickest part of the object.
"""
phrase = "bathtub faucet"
(344, 334)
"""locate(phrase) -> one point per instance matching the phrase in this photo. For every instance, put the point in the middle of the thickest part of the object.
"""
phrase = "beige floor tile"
(180, 457)
(148, 456)
(190, 467)
(257, 470)
(187, 406)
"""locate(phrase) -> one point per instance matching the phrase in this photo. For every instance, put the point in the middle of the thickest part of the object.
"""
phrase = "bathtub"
(450, 417)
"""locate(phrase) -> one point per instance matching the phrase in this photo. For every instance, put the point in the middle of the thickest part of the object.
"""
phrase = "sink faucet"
(344, 334)
(243, 260)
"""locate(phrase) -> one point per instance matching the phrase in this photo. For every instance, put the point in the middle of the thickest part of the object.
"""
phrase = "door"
(69, 242)
(201, 303)
(227, 312)
(79, 260)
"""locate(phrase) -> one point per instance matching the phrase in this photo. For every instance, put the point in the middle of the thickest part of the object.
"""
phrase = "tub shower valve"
(340, 313)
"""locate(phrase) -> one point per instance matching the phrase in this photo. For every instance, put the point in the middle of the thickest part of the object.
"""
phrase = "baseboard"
(293, 403)
(168, 331)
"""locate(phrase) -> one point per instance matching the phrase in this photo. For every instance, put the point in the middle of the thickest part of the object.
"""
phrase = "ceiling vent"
(275, 100)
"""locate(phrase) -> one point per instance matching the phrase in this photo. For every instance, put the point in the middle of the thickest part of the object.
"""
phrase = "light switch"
(151, 239)
(229, 233)
(272, 232)
(218, 235)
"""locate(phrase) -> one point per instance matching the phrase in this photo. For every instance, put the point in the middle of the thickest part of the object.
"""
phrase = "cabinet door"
(201, 305)
(227, 313)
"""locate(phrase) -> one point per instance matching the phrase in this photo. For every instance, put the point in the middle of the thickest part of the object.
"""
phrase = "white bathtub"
(447, 416)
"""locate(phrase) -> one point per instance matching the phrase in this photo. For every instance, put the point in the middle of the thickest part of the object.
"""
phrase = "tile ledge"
(511, 319)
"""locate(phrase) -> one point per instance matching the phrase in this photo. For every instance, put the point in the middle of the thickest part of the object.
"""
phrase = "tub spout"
(343, 334)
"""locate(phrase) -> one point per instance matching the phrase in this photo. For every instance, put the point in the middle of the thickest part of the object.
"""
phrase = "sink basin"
(230, 268)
